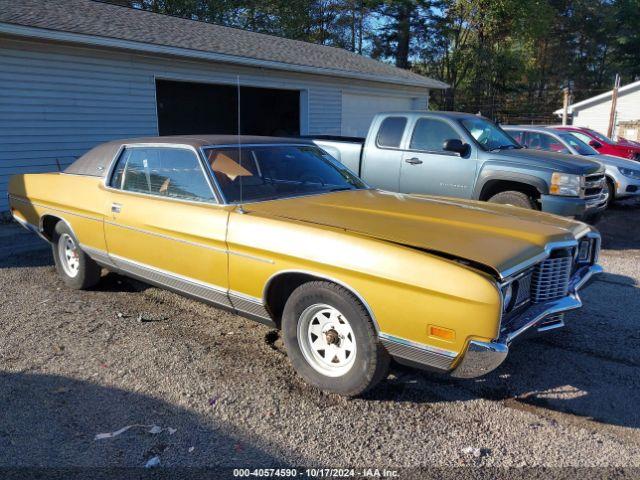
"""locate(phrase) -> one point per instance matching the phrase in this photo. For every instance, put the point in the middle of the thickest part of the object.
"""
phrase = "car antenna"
(240, 209)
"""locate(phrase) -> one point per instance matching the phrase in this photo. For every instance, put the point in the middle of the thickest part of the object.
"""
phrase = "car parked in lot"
(623, 175)
(603, 144)
(276, 230)
(467, 156)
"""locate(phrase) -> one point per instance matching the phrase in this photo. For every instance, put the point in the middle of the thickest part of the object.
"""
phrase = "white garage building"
(595, 112)
(80, 72)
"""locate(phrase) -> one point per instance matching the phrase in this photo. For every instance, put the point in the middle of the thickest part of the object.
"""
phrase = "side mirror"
(595, 144)
(455, 145)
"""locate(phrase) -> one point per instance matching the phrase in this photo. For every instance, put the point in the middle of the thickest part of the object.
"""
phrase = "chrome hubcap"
(326, 340)
(69, 255)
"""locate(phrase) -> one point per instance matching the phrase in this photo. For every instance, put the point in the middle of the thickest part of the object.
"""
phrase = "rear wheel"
(515, 198)
(331, 341)
(77, 270)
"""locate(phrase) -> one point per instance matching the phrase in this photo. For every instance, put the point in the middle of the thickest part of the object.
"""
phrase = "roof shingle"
(88, 17)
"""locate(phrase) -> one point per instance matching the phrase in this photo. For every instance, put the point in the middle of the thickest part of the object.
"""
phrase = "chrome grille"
(550, 278)
(524, 290)
(594, 185)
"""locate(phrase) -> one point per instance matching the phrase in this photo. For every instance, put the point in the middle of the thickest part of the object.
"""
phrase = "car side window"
(517, 135)
(542, 141)
(430, 134)
(585, 138)
(165, 172)
(390, 132)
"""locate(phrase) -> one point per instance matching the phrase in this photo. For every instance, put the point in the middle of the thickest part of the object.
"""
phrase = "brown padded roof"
(96, 161)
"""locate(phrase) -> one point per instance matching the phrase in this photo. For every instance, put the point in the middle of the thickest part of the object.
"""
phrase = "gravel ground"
(75, 364)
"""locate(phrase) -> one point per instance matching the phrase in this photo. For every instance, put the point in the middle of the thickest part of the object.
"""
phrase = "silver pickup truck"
(468, 156)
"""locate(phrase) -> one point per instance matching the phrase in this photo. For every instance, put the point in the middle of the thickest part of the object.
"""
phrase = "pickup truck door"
(163, 223)
(427, 168)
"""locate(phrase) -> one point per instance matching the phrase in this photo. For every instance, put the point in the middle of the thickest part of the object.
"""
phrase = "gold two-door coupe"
(278, 231)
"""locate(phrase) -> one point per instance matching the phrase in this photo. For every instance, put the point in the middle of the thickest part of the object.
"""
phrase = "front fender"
(500, 170)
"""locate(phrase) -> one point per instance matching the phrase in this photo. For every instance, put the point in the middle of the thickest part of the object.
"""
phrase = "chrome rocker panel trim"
(417, 354)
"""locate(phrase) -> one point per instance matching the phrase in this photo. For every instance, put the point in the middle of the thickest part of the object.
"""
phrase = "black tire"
(371, 362)
(88, 271)
(611, 190)
(515, 198)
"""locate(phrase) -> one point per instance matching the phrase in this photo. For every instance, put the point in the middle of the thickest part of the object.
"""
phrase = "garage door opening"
(190, 108)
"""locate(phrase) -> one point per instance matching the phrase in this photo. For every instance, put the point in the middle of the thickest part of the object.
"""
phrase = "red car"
(622, 148)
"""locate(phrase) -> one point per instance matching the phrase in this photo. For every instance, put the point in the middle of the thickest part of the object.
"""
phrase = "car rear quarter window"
(430, 134)
(164, 172)
(390, 132)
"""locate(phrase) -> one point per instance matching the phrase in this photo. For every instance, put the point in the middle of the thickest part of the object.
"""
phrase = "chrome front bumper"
(482, 357)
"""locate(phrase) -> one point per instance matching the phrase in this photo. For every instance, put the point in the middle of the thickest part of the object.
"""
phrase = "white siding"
(57, 101)
(358, 110)
(596, 115)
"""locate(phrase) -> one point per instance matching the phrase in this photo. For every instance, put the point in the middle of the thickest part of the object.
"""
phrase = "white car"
(623, 175)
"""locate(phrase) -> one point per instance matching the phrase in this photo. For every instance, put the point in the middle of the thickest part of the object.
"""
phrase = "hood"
(499, 237)
(628, 143)
(611, 161)
(559, 162)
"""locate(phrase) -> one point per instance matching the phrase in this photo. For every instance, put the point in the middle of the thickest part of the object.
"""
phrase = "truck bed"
(347, 150)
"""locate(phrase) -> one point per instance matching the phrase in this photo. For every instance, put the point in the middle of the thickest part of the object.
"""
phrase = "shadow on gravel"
(51, 421)
(620, 227)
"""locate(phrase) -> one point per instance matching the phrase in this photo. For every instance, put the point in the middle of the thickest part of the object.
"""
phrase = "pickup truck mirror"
(595, 144)
(455, 145)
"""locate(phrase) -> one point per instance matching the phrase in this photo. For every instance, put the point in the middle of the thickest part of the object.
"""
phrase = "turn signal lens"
(442, 333)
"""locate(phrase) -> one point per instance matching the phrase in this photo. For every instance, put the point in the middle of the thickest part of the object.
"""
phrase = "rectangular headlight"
(566, 184)
(584, 250)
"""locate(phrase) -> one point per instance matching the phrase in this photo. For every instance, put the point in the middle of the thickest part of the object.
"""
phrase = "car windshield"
(599, 136)
(268, 172)
(577, 144)
(488, 134)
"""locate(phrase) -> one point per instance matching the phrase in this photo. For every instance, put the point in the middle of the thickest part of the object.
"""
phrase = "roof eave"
(603, 96)
(110, 42)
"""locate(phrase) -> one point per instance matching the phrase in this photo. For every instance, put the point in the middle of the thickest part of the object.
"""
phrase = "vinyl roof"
(89, 21)
(96, 161)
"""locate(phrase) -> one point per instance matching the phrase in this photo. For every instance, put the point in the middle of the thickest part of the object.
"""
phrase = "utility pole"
(614, 104)
(565, 105)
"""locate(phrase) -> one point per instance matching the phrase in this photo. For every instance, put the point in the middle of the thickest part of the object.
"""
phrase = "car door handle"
(413, 161)
(116, 207)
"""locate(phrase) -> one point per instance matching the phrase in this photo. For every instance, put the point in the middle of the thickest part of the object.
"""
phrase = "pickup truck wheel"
(77, 270)
(515, 198)
(331, 341)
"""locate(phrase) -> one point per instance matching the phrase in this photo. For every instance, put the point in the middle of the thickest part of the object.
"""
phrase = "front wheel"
(610, 190)
(75, 267)
(514, 198)
(331, 341)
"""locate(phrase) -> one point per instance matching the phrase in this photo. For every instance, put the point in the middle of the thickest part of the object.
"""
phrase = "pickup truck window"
(390, 132)
(430, 134)
(164, 172)
(488, 134)
(277, 171)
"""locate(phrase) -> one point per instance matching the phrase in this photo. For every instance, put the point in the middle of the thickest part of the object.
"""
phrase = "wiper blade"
(339, 189)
